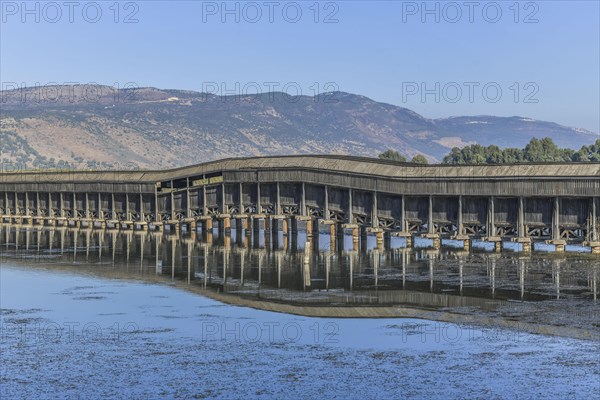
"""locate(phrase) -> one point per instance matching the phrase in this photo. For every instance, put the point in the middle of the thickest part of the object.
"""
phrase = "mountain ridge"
(144, 127)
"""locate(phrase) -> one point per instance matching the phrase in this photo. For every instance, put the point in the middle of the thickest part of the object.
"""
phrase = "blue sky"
(535, 59)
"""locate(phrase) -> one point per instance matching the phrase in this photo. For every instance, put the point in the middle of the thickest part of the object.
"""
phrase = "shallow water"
(93, 338)
(68, 333)
(249, 262)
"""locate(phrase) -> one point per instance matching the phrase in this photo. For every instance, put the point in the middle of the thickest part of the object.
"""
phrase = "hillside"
(152, 128)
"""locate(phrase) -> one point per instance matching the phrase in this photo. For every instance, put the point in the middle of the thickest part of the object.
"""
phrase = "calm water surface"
(89, 314)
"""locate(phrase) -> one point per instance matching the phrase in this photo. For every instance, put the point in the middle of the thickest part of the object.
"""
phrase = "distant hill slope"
(148, 127)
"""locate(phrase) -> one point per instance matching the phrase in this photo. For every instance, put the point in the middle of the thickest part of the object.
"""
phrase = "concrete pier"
(466, 240)
(526, 244)
(435, 238)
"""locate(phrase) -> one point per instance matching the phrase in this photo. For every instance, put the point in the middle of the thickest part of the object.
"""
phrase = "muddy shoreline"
(528, 318)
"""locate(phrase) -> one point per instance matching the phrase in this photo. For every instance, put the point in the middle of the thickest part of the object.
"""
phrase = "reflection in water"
(298, 269)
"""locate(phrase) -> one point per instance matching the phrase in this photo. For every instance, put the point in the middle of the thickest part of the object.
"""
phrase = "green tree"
(566, 155)
(594, 154)
(473, 154)
(392, 155)
(455, 157)
(493, 154)
(512, 155)
(588, 153)
(544, 150)
(419, 159)
(537, 150)
(533, 151)
(582, 155)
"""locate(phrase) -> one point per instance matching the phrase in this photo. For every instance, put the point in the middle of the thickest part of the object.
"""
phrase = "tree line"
(537, 150)
(395, 156)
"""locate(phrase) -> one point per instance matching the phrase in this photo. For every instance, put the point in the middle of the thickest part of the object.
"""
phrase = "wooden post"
(156, 211)
(279, 260)
(113, 213)
(188, 209)
(594, 217)
(556, 219)
(376, 266)
(277, 199)
(491, 216)
(87, 205)
(205, 248)
(60, 198)
(74, 205)
(142, 218)
(224, 209)
(350, 217)
(258, 205)
(173, 253)
(403, 214)
(430, 227)
(351, 267)
(242, 257)
(260, 258)
(241, 198)
(461, 264)
(306, 264)
(172, 194)
(521, 219)
(326, 204)
(303, 201)
(374, 217)
(49, 207)
(204, 206)
(327, 269)
(100, 212)
(459, 216)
